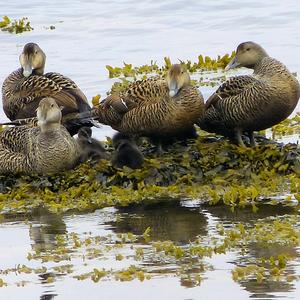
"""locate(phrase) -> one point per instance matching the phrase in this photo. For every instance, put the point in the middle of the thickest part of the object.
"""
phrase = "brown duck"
(244, 104)
(156, 107)
(45, 149)
(23, 89)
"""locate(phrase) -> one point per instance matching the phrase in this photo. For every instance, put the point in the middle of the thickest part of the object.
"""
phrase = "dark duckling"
(126, 152)
(90, 148)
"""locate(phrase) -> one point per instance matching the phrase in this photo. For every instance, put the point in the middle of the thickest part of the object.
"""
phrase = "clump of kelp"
(208, 169)
(15, 26)
(287, 127)
(203, 63)
(128, 72)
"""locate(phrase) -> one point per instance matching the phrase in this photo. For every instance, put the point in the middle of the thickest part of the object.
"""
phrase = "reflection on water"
(44, 228)
(266, 289)
(246, 215)
(168, 221)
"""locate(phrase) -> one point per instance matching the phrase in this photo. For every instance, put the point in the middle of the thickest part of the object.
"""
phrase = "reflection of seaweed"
(44, 229)
(270, 244)
(246, 214)
(15, 26)
(264, 250)
(168, 221)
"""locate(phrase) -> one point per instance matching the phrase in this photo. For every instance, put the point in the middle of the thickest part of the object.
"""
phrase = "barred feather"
(21, 95)
(27, 150)
(150, 109)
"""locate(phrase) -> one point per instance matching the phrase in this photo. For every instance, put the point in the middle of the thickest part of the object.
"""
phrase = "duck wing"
(234, 86)
(138, 93)
(17, 139)
(145, 91)
(69, 95)
(36, 87)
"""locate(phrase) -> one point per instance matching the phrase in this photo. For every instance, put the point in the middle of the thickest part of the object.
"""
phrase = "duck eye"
(182, 72)
(35, 52)
(52, 105)
(248, 49)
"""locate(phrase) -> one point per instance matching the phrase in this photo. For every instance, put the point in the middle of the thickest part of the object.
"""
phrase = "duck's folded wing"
(70, 93)
(16, 139)
(232, 87)
(119, 104)
(57, 86)
(138, 93)
(145, 91)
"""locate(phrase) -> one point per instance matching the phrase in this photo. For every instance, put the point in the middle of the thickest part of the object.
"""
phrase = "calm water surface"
(91, 34)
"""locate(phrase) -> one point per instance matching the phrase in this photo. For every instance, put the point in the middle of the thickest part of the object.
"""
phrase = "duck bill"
(26, 65)
(27, 70)
(232, 64)
(173, 89)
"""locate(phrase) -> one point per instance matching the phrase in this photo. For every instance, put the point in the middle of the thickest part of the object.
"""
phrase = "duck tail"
(20, 122)
(73, 122)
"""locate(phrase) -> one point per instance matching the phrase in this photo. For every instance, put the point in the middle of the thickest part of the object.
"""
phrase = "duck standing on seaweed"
(163, 109)
(248, 103)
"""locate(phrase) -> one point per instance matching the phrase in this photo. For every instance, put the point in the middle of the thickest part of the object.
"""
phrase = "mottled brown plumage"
(23, 89)
(154, 107)
(45, 149)
(254, 102)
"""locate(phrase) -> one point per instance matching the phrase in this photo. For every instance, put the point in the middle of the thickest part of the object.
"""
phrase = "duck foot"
(238, 137)
(159, 150)
(252, 139)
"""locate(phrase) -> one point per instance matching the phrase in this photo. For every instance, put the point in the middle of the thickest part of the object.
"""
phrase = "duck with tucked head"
(248, 103)
(90, 148)
(23, 89)
(160, 108)
(45, 149)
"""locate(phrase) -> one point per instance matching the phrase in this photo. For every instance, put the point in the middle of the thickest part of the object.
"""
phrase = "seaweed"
(15, 26)
(207, 168)
(203, 63)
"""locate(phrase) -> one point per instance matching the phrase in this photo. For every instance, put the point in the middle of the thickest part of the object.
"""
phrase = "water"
(91, 34)
(176, 221)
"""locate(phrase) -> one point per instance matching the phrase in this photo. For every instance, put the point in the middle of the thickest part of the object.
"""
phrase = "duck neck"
(48, 127)
(256, 67)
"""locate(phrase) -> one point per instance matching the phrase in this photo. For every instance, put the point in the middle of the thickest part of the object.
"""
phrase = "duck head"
(48, 114)
(85, 134)
(177, 78)
(248, 54)
(32, 60)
